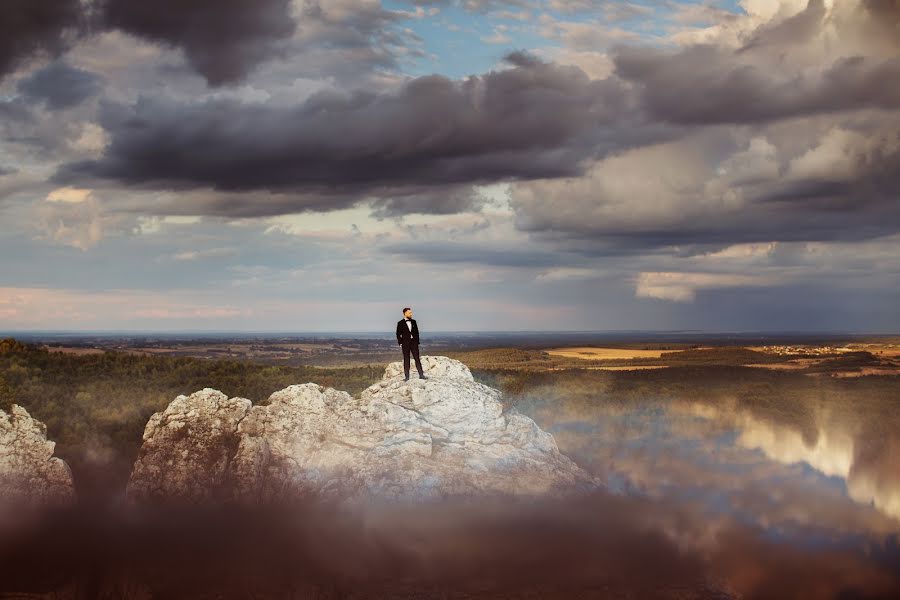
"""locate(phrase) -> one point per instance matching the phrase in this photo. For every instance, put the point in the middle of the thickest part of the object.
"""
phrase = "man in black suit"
(408, 338)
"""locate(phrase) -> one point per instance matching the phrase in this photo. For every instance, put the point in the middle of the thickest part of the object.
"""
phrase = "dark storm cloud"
(60, 85)
(884, 14)
(765, 79)
(16, 117)
(226, 40)
(30, 26)
(705, 85)
(521, 58)
(797, 29)
(222, 39)
(446, 200)
(530, 121)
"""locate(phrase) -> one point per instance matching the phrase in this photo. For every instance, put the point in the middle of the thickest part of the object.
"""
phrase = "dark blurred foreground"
(593, 546)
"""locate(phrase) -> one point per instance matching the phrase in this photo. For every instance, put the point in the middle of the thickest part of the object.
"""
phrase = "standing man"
(408, 338)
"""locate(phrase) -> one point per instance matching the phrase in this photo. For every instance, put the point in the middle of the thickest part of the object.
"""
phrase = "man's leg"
(406, 360)
(415, 353)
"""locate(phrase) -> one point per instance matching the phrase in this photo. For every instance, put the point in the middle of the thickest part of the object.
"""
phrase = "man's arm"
(399, 341)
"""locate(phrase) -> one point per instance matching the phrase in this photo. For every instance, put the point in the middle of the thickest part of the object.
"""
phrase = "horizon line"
(454, 331)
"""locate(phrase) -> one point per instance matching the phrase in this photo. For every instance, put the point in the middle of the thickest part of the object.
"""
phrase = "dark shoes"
(406, 378)
(422, 376)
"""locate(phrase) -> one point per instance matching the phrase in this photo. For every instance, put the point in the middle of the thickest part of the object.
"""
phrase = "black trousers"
(414, 348)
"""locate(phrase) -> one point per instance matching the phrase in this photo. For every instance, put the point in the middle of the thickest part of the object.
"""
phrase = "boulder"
(187, 449)
(30, 476)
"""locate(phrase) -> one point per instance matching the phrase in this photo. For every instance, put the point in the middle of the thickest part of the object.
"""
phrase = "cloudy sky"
(304, 165)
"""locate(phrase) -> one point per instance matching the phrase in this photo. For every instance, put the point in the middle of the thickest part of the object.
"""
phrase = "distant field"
(630, 368)
(65, 350)
(619, 368)
(886, 351)
(594, 353)
(850, 360)
(793, 365)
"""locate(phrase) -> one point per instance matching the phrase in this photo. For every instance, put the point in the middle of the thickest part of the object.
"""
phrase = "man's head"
(407, 312)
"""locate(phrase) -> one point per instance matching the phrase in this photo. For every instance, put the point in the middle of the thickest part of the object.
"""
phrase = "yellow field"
(594, 353)
(880, 350)
(629, 368)
(617, 368)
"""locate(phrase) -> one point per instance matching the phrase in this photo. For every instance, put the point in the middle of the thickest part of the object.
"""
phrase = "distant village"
(818, 350)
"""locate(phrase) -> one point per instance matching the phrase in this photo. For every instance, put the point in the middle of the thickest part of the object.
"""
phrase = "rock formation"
(445, 436)
(30, 476)
(187, 448)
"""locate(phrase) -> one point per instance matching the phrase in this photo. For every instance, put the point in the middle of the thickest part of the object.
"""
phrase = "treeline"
(503, 358)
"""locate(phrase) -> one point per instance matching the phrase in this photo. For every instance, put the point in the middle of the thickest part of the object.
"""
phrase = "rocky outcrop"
(446, 436)
(30, 476)
(187, 448)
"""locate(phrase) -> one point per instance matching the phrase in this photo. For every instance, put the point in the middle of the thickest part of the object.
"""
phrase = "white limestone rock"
(187, 449)
(30, 476)
(445, 436)
(434, 366)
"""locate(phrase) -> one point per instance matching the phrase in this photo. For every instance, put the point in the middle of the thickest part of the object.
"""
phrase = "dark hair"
(406, 308)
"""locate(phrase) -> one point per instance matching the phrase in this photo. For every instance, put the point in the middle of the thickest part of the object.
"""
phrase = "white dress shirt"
(409, 324)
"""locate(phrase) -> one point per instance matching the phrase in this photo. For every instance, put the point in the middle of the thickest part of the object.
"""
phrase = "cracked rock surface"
(418, 439)
(29, 473)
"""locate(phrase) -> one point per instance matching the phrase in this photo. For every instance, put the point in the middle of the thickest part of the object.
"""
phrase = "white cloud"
(69, 194)
(73, 217)
(207, 253)
(567, 274)
(682, 287)
(584, 37)
(597, 65)
(92, 141)
(147, 224)
(842, 154)
(499, 36)
(653, 187)
(751, 250)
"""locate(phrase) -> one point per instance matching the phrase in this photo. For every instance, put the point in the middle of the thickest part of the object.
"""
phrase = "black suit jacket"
(404, 335)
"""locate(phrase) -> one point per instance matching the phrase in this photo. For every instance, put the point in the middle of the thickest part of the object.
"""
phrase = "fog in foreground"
(596, 545)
